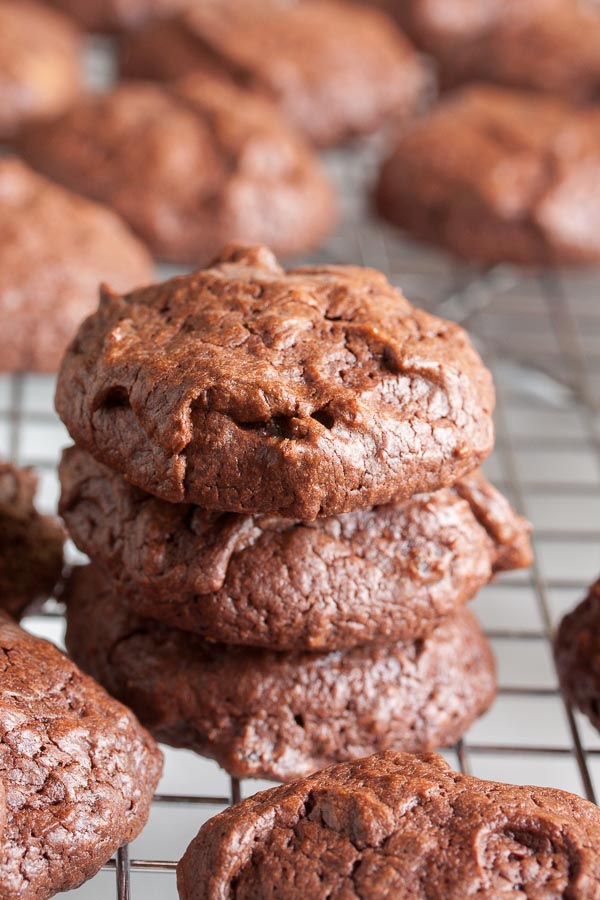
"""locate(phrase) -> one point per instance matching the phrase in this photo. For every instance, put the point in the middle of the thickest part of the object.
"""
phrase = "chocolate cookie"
(554, 48)
(31, 545)
(444, 27)
(335, 69)
(388, 573)
(215, 164)
(546, 45)
(577, 654)
(401, 826)
(40, 66)
(55, 249)
(77, 770)
(244, 388)
(117, 15)
(496, 175)
(280, 715)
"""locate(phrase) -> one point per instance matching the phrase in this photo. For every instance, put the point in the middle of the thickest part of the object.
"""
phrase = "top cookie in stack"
(245, 389)
(292, 595)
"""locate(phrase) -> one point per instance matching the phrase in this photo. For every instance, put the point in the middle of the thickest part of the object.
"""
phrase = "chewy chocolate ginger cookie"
(335, 69)
(55, 249)
(243, 388)
(77, 771)
(117, 15)
(190, 167)
(280, 715)
(551, 46)
(498, 175)
(577, 655)
(40, 64)
(400, 826)
(387, 573)
(31, 545)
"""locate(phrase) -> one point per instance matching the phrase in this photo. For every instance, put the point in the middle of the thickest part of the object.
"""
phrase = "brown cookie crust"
(577, 655)
(31, 545)
(117, 15)
(495, 175)
(55, 250)
(280, 715)
(384, 574)
(78, 771)
(335, 69)
(402, 826)
(40, 64)
(305, 393)
(190, 167)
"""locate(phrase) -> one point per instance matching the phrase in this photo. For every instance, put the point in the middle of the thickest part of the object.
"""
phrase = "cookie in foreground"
(401, 826)
(280, 715)
(246, 388)
(77, 771)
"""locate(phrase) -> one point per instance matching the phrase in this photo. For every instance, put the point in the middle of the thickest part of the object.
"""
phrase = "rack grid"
(540, 334)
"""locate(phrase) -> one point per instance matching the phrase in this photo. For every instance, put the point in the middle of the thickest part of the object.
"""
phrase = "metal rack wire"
(540, 334)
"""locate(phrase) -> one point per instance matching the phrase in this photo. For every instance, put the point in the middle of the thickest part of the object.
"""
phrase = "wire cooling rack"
(540, 334)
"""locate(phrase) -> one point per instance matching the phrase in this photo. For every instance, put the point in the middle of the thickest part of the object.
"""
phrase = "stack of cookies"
(276, 477)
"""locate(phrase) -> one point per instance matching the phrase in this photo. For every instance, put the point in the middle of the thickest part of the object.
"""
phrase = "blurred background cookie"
(117, 15)
(55, 249)
(443, 26)
(494, 174)
(190, 167)
(553, 48)
(40, 64)
(334, 69)
(548, 45)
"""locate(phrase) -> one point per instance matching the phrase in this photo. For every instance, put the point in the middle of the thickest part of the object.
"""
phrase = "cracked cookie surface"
(31, 545)
(190, 167)
(334, 69)
(395, 825)
(387, 573)
(244, 388)
(77, 771)
(280, 715)
(493, 174)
